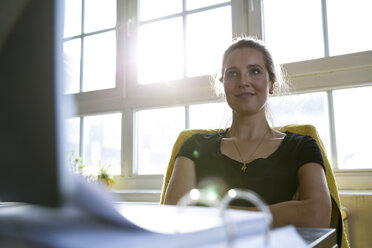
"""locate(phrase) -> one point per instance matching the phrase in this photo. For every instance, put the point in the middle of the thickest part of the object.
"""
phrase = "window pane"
(102, 142)
(72, 18)
(353, 121)
(160, 51)
(208, 34)
(99, 14)
(348, 25)
(99, 61)
(210, 116)
(157, 131)
(71, 53)
(311, 108)
(293, 29)
(72, 132)
(150, 9)
(195, 4)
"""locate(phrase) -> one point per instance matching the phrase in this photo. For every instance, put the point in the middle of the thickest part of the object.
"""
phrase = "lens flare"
(194, 194)
(196, 154)
(232, 193)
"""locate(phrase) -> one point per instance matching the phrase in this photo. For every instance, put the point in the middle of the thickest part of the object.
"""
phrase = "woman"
(285, 169)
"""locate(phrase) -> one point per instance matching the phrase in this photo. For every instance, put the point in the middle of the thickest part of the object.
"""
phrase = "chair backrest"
(310, 130)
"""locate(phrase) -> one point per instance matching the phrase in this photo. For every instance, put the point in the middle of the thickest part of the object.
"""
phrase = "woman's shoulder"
(300, 141)
(207, 136)
(297, 136)
(199, 141)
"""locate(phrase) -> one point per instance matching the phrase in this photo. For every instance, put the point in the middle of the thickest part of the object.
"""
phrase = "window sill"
(138, 195)
(354, 180)
(356, 192)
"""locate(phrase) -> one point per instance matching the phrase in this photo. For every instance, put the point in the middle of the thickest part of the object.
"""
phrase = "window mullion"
(325, 28)
(184, 26)
(239, 18)
(129, 144)
(82, 45)
(130, 32)
(121, 53)
(332, 131)
(187, 117)
(254, 10)
(81, 138)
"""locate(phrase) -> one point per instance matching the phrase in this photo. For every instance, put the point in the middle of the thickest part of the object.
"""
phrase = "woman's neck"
(248, 127)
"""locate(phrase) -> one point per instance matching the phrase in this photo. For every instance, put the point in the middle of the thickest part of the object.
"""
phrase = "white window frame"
(324, 74)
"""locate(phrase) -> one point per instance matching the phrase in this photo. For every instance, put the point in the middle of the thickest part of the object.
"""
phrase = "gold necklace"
(244, 166)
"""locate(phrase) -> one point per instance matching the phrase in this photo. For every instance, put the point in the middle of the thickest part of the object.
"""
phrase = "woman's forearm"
(305, 213)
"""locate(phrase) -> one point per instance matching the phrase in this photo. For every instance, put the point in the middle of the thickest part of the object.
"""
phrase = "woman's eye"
(255, 71)
(231, 74)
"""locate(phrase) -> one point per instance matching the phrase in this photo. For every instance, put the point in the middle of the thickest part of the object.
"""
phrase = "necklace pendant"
(244, 167)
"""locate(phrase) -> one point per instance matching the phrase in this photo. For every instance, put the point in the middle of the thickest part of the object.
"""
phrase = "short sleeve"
(188, 147)
(309, 152)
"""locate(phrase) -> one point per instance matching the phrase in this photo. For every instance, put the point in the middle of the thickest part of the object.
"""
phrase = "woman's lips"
(244, 95)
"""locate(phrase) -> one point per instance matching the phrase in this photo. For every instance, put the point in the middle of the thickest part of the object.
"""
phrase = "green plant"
(77, 165)
(103, 174)
(91, 175)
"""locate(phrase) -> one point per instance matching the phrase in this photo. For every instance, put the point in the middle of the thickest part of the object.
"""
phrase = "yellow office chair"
(336, 219)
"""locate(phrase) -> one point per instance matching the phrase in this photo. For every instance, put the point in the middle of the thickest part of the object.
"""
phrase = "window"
(160, 58)
(157, 130)
(310, 108)
(209, 115)
(100, 139)
(140, 73)
(308, 29)
(99, 62)
(352, 118)
(349, 35)
(72, 137)
(89, 45)
(293, 29)
(177, 42)
(320, 30)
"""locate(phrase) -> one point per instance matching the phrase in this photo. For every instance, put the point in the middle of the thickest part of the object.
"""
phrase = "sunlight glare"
(160, 51)
(293, 35)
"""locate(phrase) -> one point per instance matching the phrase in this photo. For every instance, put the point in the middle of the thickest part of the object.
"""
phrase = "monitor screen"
(31, 144)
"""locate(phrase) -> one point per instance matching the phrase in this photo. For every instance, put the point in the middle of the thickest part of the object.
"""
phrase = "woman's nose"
(245, 79)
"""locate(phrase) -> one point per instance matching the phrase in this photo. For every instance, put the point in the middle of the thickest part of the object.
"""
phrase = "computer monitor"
(32, 166)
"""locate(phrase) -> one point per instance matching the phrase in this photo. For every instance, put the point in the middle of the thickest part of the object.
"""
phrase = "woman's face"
(246, 81)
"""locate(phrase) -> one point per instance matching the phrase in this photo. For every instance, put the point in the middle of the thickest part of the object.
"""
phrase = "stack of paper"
(90, 220)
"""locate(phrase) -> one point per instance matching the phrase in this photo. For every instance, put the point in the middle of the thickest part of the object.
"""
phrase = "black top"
(273, 178)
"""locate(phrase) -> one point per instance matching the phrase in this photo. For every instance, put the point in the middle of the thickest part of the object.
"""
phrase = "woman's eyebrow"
(248, 66)
(230, 68)
(254, 65)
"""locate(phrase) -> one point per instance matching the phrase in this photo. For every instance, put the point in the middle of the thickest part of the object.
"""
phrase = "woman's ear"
(271, 90)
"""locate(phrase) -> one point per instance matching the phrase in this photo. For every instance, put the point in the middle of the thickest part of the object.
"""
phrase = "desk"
(319, 237)
(68, 227)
